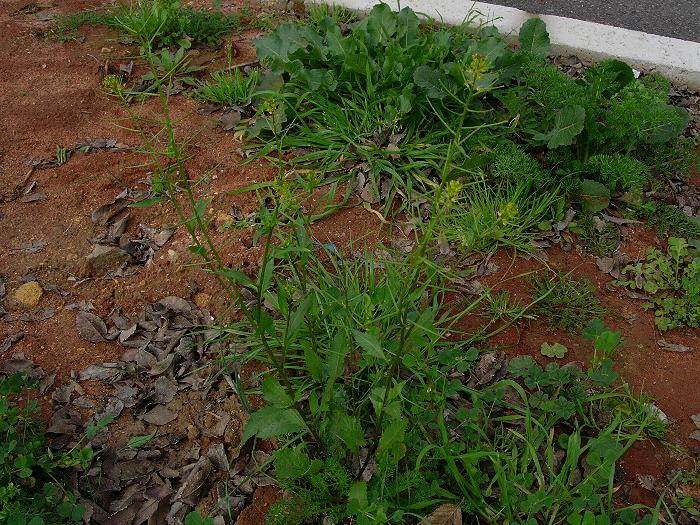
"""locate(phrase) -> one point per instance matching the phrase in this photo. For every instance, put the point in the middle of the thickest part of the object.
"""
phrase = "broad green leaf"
(274, 393)
(392, 436)
(594, 329)
(568, 123)
(291, 463)
(139, 441)
(594, 196)
(557, 350)
(608, 341)
(381, 23)
(604, 374)
(194, 518)
(534, 38)
(313, 363)
(370, 343)
(408, 27)
(357, 498)
(272, 422)
(336, 355)
(347, 428)
(433, 81)
(297, 318)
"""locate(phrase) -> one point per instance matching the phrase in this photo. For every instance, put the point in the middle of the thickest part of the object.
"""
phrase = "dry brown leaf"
(447, 514)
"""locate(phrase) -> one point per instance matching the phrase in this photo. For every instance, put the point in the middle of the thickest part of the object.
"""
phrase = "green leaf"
(194, 518)
(347, 429)
(336, 355)
(392, 436)
(594, 329)
(272, 422)
(147, 202)
(556, 350)
(274, 393)
(594, 196)
(370, 343)
(139, 441)
(608, 341)
(64, 509)
(93, 428)
(297, 318)
(357, 498)
(568, 123)
(435, 83)
(534, 38)
(291, 463)
(604, 374)
(313, 363)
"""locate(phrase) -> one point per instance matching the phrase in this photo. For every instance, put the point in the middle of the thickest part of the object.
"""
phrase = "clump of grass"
(504, 307)
(483, 218)
(668, 219)
(229, 87)
(566, 302)
(599, 243)
(165, 23)
(318, 13)
(162, 23)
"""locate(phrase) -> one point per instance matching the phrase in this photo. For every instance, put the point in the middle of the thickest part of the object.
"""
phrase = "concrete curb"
(678, 60)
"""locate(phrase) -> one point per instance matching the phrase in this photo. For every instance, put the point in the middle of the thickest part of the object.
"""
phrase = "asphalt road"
(674, 18)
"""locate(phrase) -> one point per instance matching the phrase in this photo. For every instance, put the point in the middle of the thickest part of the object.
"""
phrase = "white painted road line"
(679, 60)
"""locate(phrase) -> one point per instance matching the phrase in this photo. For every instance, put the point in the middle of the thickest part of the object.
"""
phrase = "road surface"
(673, 18)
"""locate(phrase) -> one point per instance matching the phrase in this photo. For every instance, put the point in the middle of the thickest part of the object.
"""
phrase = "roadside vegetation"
(380, 407)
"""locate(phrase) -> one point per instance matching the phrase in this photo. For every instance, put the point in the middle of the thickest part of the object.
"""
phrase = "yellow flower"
(508, 213)
(477, 68)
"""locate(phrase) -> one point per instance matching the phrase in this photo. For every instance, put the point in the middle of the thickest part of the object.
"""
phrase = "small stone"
(223, 220)
(28, 295)
(104, 259)
(202, 300)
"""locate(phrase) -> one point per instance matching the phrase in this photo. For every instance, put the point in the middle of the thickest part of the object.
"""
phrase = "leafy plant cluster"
(378, 422)
(566, 302)
(381, 409)
(672, 282)
(162, 23)
(31, 473)
(601, 241)
(383, 95)
(668, 219)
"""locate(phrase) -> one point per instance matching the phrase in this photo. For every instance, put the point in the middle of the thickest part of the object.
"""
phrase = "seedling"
(566, 302)
(556, 350)
(672, 281)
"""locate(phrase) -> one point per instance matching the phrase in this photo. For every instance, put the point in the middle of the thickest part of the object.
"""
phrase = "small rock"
(104, 259)
(28, 295)
(202, 300)
(223, 220)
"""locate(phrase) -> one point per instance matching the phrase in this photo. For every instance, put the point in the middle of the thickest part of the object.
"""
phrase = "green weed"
(668, 219)
(672, 281)
(484, 218)
(230, 87)
(319, 12)
(568, 303)
(601, 243)
(31, 474)
(373, 396)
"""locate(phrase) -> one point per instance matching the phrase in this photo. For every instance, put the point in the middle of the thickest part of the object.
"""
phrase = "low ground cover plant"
(162, 23)
(390, 115)
(672, 282)
(567, 302)
(31, 474)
